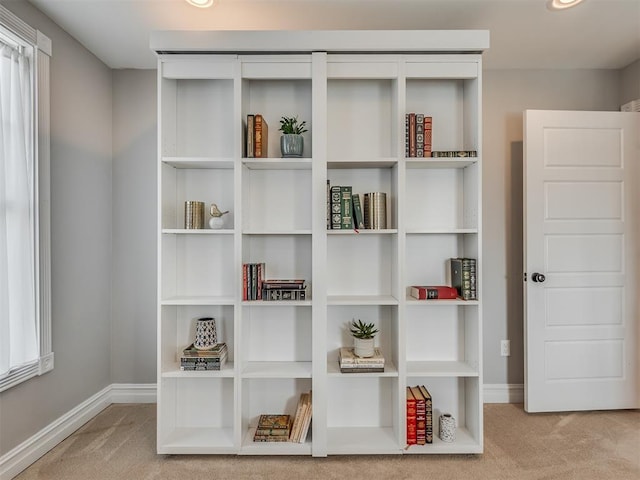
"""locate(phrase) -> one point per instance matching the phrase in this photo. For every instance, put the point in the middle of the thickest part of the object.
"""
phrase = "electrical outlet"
(505, 348)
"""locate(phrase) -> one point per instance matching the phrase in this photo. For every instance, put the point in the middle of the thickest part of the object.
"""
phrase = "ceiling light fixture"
(562, 4)
(201, 3)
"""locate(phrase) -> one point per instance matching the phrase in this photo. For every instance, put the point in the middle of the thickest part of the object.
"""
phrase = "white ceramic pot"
(363, 347)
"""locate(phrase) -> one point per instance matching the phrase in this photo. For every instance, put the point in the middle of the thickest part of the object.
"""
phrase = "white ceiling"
(524, 33)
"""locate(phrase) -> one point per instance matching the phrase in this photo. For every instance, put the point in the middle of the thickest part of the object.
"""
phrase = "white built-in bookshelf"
(354, 104)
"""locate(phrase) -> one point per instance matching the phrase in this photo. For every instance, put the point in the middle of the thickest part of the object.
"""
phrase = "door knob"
(538, 277)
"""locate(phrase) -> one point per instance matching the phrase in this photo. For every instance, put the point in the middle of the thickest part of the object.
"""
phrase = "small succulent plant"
(363, 330)
(290, 125)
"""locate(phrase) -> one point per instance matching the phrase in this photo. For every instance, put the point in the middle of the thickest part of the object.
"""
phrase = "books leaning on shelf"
(463, 277)
(257, 136)
(350, 363)
(302, 420)
(419, 416)
(192, 359)
(358, 218)
(273, 428)
(428, 414)
(418, 135)
(435, 292)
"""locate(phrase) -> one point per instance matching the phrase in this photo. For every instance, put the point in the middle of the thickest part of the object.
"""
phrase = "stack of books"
(192, 359)
(282, 289)
(351, 363)
(419, 416)
(302, 420)
(273, 428)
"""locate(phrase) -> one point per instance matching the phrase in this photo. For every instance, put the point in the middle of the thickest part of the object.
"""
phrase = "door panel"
(581, 232)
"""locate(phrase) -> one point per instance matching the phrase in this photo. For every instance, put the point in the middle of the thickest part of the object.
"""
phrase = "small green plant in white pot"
(292, 141)
(363, 338)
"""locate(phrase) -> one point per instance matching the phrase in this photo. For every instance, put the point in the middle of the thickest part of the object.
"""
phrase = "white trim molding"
(25, 454)
(134, 393)
(503, 393)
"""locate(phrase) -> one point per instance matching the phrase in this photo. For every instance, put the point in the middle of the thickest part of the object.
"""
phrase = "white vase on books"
(363, 347)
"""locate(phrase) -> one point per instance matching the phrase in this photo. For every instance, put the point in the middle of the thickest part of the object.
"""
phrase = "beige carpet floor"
(120, 444)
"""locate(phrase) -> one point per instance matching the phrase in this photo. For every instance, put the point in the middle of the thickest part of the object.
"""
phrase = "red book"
(412, 438)
(434, 292)
(421, 425)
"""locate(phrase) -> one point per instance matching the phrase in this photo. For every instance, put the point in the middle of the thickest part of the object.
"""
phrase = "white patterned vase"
(206, 335)
(447, 428)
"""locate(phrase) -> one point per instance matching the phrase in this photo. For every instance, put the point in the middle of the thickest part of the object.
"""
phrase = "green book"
(357, 211)
(336, 218)
(346, 208)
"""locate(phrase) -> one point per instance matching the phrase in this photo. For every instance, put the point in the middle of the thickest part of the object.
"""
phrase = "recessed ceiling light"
(201, 3)
(562, 4)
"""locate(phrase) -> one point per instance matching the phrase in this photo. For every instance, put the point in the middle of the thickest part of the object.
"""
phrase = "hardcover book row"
(346, 210)
(256, 287)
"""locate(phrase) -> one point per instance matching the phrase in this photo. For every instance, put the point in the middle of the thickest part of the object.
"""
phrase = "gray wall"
(134, 226)
(507, 93)
(81, 99)
(630, 83)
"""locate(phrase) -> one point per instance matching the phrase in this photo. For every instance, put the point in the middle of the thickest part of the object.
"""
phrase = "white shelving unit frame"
(354, 89)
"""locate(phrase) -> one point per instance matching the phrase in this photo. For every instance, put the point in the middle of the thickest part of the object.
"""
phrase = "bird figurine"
(216, 221)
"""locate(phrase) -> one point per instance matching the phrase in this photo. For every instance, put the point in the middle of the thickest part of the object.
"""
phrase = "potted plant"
(291, 141)
(363, 338)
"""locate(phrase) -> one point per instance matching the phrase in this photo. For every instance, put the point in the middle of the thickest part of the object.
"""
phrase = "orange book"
(261, 142)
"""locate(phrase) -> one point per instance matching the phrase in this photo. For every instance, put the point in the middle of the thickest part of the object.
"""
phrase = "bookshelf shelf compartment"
(464, 443)
(199, 441)
(362, 300)
(333, 370)
(193, 231)
(432, 162)
(362, 163)
(249, 447)
(365, 231)
(278, 164)
(440, 369)
(199, 162)
(199, 300)
(354, 105)
(226, 371)
(362, 441)
(277, 370)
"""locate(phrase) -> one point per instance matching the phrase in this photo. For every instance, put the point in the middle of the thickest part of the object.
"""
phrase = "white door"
(581, 258)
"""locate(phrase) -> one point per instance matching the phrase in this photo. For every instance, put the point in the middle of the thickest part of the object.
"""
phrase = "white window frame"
(41, 119)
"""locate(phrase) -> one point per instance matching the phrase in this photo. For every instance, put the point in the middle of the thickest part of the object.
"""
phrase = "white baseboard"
(134, 393)
(503, 393)
(16, 460)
